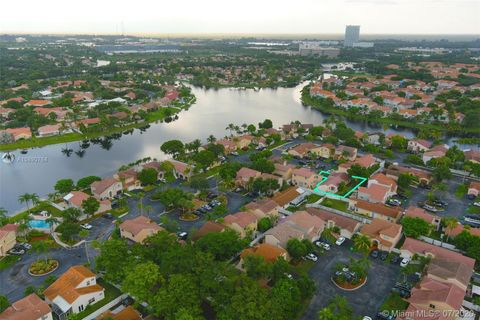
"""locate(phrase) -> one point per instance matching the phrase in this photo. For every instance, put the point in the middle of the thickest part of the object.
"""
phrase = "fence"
(341, 213)
(106, 307)
(438, 243)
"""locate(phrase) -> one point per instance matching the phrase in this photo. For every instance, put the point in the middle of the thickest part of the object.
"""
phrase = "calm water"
(37, 171)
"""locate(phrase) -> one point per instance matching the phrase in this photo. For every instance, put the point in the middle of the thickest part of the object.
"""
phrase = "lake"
(39, 169)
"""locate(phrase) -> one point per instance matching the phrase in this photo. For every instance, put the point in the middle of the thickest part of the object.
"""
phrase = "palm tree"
(35, 199)
(41, 247)
(231, 128)
(362, 243)
(139, 196)
(25, 198)
(450, 223)
(3, 216)
(211, 139)
(51, 222)
(148, 209)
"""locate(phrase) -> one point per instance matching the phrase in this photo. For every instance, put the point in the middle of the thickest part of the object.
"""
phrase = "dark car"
(395, 259)
(108, 216)
(211, 195)
(425, 186)
(16, 251)
(374, 254)
(384, 316)
(440, 203)
(383, 255)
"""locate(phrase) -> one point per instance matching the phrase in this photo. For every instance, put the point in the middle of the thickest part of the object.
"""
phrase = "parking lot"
(365, 301)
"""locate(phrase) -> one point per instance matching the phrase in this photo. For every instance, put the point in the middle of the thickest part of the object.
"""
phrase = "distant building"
(315, 48)
(352, 35)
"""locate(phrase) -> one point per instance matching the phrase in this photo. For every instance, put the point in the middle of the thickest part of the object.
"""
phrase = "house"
(242, 222)
(267, 251)
(8, 238)
(332, 184)
(284, 170)
(435, 152)
(88, 122)
(348, 227)
(37, 103)
(384, 234)
(413, 246)
(459, 228)
(6, 112)
(292, 195)
(374, 194)
(302, 150)
(73, 291)
(263, 208)
(138, 229)
(153, 165)
(416, 212)
(29, 308)
(208, 227)
(127, 313)
(473, 189)
(129, 179)
(59, 113)
(75, 199)
(244, 141)
(472, 156)
(106, 188)
(325, 151)
(450, 271)
(19, 133)
(49, 130)
(435, 296)
(300, 225)
(245, 175)
(394, 171)
(304, 177)
(228, 145)
(382, 180)
(268, 176)
(376, 210)
(418, 145)
(346, 152)
(182, 170)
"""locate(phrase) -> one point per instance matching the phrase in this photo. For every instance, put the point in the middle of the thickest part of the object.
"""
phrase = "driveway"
(14, 280)
(365, 301)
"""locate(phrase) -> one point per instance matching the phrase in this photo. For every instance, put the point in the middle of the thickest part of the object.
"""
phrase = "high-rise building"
(352, 35)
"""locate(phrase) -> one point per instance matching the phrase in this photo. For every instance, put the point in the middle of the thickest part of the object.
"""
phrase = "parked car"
(207, 207)
(476, 204)
(340, 241)
(394, 202)
(16, 252)
(395, 259)
(440, 203)
(86, 226)
(374, 254)
(429, 208)
(182, 235)
(383, 255)
(211, 195)
(404, 262)
(311, 257)
(322, 245)
(108, 216)
(234, 153)
(25, 245)
(385, 316)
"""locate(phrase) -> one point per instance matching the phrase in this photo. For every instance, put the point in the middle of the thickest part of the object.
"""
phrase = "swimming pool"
(39, 224)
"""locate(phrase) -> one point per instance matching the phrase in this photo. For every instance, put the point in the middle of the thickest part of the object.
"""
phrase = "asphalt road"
(365, 301)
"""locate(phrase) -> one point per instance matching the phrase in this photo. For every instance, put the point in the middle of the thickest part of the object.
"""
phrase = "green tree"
(404, 180)
(296, 248)
(64, 186)
(337, 309)
(143, 280)
(4, 304)
(415, 227)
(255, 266)
(264, 224)
(204, 159)
(266, 124)
(173, 147)
(148, 176)
(222, 245)
(85, 182)
(90, 206)
(113, 260)
(362, 243)
(263, 165)
(199, 183)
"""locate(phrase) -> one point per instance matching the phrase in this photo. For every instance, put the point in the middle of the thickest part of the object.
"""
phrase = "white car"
(476, 204)
(86, 226)
(366, 318)
(323, 245)
(404, 262)
(340, 241)
(312, 257)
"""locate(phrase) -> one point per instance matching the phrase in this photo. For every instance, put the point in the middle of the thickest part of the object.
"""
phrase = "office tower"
(352, 35)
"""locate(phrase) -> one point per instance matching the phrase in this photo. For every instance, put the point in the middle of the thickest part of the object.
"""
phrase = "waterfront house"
(129, 179)
(73, 291)
(138, 229)
(182, 170)
(29, 308)
(8, 238)
(418, 145)
(49, 130)
(106, 188)
(19, 133)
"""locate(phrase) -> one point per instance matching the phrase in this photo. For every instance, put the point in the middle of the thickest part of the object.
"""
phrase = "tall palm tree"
(139, 196)
(362, 243)
(25, 199)
(231, 128)
(3, 216)
(52, 221)
(450, 223)
(35, 199)
(42, 248)
(211, 139)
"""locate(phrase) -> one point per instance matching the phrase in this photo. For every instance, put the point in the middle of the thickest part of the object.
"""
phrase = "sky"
(240, 16)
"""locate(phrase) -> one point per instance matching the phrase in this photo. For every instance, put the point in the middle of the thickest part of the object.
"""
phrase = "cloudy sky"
(240, 16)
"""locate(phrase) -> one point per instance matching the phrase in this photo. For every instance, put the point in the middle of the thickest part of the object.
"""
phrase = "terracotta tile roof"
(49, 128)
(306, 221)
(247, 173)
(38, 102)
(384, 180)
(269, 252)
(303, 172)
(380, 227)
(340, 221)
(284, 232)
(243, 219)
(128, 313)
(392, 212)
(449, 270)
(66, 285)
(284, 197)
(76, 198)
(136, 225)
(375, 192)
(100, 186)
(432, 291)
(29, 308)
(208, 227)
(459, 228)
(265, 205)
(304, 148)
(422, 248)
(366, 161)
(416, 212)
(10, 227)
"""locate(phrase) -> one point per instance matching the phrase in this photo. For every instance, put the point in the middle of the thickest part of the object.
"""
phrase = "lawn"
(473, 209)
(119, 211)
(110, 293)
(7, 261)
(394, 303)
(44, 205)
(335, 204)
(312, 198)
